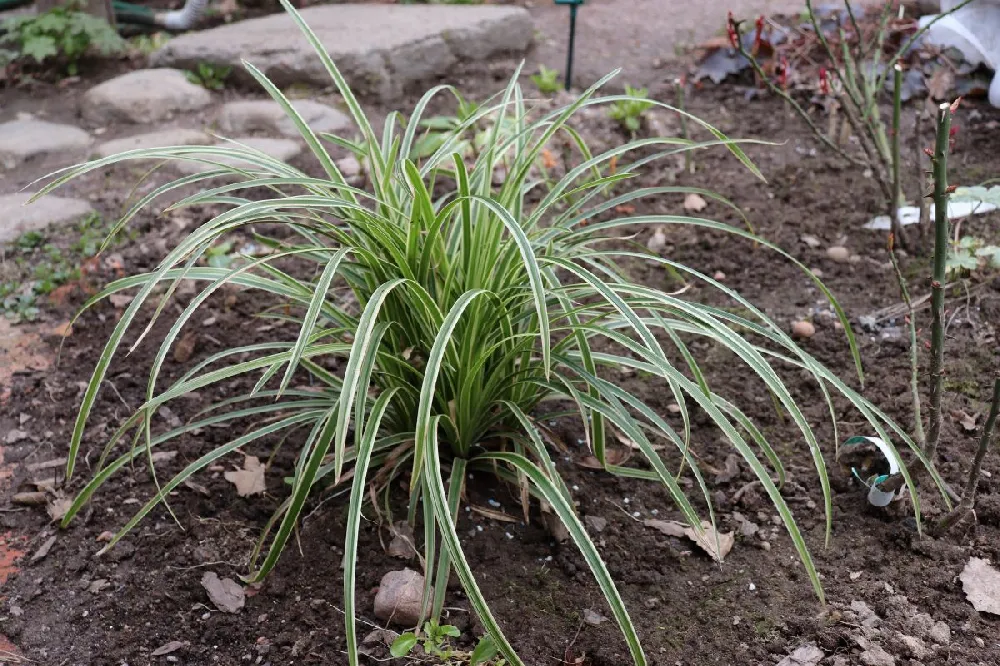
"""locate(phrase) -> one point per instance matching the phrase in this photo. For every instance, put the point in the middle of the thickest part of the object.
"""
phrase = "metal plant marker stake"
(573, 6)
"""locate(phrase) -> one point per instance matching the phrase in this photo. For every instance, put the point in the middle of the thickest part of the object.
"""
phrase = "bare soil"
(72, 608)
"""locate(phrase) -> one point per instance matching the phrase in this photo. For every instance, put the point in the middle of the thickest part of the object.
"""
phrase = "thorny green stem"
(940, 164)
(918, 425)
(969, 496)
(897, 186)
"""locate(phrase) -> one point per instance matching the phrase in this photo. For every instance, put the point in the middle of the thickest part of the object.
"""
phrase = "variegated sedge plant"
(473, 307)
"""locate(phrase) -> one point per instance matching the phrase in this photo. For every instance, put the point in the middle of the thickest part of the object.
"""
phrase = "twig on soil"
(940, 164)
(968, 502)
(918, 426)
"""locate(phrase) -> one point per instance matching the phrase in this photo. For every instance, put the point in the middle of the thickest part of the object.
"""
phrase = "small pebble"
(839, 254)
(719, 275)
(803, 329)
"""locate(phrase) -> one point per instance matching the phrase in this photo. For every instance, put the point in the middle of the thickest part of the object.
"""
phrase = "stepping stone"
(143, 96)
(380, 49)
(161, 139)
(265, 115)
(27, 139)
(282, 149)
(16, 218)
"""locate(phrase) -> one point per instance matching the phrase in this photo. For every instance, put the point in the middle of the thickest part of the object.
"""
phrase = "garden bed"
(69, 607)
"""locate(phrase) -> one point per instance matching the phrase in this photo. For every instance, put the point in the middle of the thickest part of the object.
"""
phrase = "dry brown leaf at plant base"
(250, 479)
(716, 544)
(981, 583)
(612, 456)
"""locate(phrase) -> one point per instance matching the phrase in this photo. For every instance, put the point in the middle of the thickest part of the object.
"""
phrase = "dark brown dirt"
(754, 609)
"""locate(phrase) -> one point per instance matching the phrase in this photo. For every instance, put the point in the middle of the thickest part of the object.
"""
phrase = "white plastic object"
(974, 30)
(183, 18)
(878, 497)
(911, 215)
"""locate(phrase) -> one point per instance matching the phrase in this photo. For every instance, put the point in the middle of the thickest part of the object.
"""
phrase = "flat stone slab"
(24, 140)
(161, 139)
(143, 96)
(265, 115)
(380, 49)
(282, 149)
(16, 218)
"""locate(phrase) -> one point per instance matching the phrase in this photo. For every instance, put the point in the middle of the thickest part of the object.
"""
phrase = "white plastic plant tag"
(870, 471)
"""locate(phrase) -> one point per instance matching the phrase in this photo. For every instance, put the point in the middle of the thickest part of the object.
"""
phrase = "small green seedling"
(207, 75)
(38, 267)
(436, 644)
(146, 44)
(63, 34)
(629, 112)
(221, 255)
(970, 254)
(546, 80)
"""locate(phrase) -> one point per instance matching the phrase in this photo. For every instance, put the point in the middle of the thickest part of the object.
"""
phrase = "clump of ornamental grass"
(472, 305)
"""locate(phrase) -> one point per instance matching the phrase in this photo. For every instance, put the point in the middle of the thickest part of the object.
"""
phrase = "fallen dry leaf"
(549, 160)
(43, 550)
(731, 471)
(167, 648)
(250, 479)
(185, 347)
(59, 507)
(612, 456)
(967, 422)
(940, 83)
(120, 301)
(981, 583)
(694, 202)
(227, 595)
(706, 541)
(402, 544)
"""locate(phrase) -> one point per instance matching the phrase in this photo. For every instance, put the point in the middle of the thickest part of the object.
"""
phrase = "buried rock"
(399, 596)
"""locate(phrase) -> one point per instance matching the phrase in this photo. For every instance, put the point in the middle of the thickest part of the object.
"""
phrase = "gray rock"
(920, 624)
(839, 254)
(866, 615)
(282, 149)
(913, 646)
(160, 139)
(143, 96)
(351, 169)
(380, 49)
(876, 656)
(398, 598)
(24, 140)
(596, 523)
(264, 115)
(804, 655)
(940, 633)
(16, 218)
